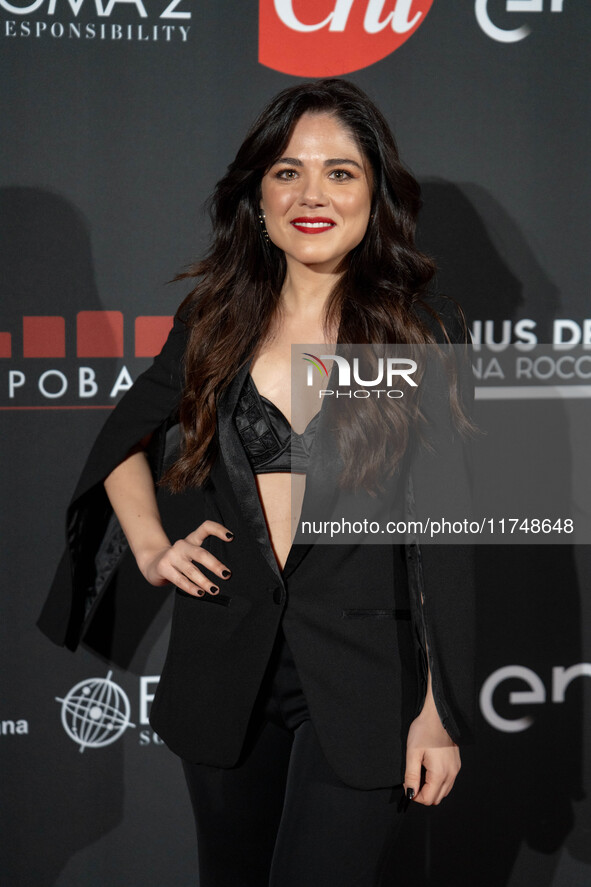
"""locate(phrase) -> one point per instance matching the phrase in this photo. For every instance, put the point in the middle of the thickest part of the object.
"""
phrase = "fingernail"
(213, 589)
(230, 535)
(226, 573)
(200, 593)
(410, 793)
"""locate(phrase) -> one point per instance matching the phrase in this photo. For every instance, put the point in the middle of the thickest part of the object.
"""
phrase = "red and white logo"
(41, 369)
(324, 38)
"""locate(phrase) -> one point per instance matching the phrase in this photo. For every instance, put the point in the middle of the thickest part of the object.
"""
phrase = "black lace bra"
(268, 439)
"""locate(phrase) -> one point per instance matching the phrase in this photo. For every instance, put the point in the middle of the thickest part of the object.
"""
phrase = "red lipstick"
(313, 224)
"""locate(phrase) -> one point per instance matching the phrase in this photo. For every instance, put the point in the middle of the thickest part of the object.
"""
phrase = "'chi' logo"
(324, 38)
(95, 712)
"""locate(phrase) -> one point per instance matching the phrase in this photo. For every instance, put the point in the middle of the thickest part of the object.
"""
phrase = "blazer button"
(278, 595)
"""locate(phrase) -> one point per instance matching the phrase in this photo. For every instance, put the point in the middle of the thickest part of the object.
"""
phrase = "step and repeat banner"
(118, 117)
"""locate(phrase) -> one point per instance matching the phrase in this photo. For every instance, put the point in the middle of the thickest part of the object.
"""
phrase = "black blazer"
(356, 616)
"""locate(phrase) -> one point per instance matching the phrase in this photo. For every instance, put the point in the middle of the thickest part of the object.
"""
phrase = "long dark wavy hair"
(238, 284)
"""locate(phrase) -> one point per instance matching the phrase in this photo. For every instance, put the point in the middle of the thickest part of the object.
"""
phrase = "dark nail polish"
(200, 593)
(410, 793)
(226, 573)
(230, 535)
(213, 589)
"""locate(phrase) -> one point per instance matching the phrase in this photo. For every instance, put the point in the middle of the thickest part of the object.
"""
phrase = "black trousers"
(281, 817)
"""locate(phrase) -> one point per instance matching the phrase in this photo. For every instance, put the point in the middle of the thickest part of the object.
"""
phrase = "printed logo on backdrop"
(535, 693)
(14, 727)
(124, 21)
(512, 34)
(510, 363)
(57, 363)
(323, 38)
(97, 712)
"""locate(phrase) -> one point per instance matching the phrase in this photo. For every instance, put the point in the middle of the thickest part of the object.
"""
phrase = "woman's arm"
(443, 583)
(149, 407)
(429, 745)
(131, 491)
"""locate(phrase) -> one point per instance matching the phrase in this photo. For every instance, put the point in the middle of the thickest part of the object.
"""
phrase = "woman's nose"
(313, 192)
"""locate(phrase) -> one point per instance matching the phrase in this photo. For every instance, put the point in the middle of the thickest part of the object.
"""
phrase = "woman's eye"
(340, 175)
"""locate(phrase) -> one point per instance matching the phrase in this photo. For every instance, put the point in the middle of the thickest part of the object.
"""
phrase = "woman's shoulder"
(174, 348)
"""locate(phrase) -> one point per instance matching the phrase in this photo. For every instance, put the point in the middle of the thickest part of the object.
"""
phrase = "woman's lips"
(314, 225)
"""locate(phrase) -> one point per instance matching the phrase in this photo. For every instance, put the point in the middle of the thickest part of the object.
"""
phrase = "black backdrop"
(115, 126)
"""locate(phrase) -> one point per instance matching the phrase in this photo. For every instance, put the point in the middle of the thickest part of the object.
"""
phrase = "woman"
(297, 688)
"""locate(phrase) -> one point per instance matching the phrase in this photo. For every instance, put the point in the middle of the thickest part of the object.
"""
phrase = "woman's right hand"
(178, 563)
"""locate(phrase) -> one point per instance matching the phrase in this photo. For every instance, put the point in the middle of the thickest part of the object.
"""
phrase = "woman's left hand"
(430, 746)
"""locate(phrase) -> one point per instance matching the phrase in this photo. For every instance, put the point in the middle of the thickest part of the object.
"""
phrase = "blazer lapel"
(239, 471)
(321, 479)
(324, 468)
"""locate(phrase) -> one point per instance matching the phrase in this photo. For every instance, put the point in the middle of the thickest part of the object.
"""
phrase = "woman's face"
(317, 196)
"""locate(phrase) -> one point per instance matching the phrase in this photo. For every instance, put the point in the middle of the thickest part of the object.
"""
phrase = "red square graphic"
(99, 334)
(5, 345)
(150, 334)
(44, 337)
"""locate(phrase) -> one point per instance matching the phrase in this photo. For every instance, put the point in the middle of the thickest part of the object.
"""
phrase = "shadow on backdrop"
(56, 801)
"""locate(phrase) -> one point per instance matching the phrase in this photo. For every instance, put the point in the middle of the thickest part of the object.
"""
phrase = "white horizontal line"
(531, 392)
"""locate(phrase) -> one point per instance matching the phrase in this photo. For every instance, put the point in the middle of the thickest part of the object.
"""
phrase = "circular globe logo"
(95, 712)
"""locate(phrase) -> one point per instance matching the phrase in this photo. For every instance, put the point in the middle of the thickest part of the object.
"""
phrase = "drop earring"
(264, 231)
